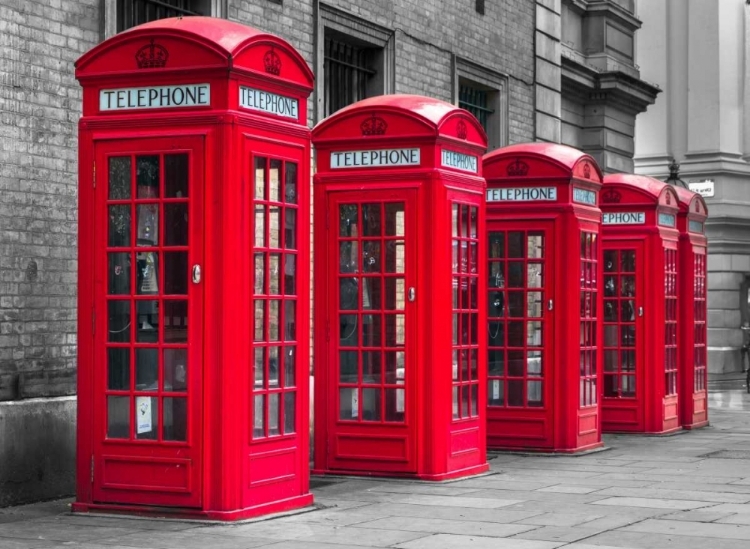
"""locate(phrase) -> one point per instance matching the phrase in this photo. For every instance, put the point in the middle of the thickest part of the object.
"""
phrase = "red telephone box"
(691, 289)
(193, 272)
(398, 380)
(639, 238)
(543, 225)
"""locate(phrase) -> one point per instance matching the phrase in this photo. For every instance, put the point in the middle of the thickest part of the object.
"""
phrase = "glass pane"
(119, 177)
(610, 336)
(175, 370)
(627, 361)
(274, 308)
(610, 261)
(628, 385)
(515, 392)
(394, 219)
(627, 261)
(534, 304)
(348, 403)
(535, 246)
(176, 273)
(290, 315)
(473, 363)
(515, 334)
(395, 405)
(515, 274)
(274, 227)
(119, 273)
(259, 368)
(290, 417)
(290, 274)
(273, 414)
(394, 256)
(348, 293)
(147, 273)
(473, 251)
(146, 417)
(496, 392)
(497, 245)
(395, 367)
(372, 330)
(260, 273)
(273, 367)
(259, 321)
(348, 368)
(535, 393)
(371, 222)
(147, 220)
(260, 226)
(348, 330)
(147, 329)
(118, 369)
(290, 191)
(176, 224)
(348, 220)
(176, 175)
(146, 369)
(395, 330)
(260, 180)
(372, 367)
(474, 399)
(118, 323)
(610, 310)
(627, 286)
(290, 228)
(534, 275)
(454, 219)
(473, 221)
(259, 415)
(371, 262)
(610, 286)
(464, 401)
(175, 419)
(119, 226)
(371, 293)
(496, 362)
(348, 257)
(627, 335)
(274, 274)
(147, 176)
(515, 244)
(455, 402)
(274, 181)
(371, 405)
(515, 304)
(175, 321)
(118, 417)
(516, 363)
(534, 363)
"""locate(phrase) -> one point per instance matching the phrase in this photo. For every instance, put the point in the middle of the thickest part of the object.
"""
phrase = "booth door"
(520, 336)
(623, 393)
(147, 338)
(371, 329)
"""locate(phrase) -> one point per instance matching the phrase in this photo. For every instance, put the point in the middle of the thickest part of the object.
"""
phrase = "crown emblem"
(373, 126)
(669, 198)
(697, 207)
(587, 170)
(272, 62)
(611, 196)
(519, 168)
(152, 56)
(461, 129)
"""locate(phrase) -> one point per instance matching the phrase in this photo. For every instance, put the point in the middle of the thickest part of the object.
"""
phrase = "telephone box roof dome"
(195, 42)
(568, 161)
(433, 110)
(691, 202)
(640, 183)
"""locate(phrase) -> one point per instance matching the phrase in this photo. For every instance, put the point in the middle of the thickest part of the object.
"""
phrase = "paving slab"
(698, 516)
(451, 541)
(501, 515)
(561, 533)
(712, 530)
(662, 493)
(443, 526)
(637, 540)
(179, 540)
(564, 489)
(653, 503)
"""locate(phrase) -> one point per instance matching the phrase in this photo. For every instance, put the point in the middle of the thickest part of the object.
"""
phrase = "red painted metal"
(639, 232)
(543, 226)
(399, 379)
(193, 278)
(692, 343)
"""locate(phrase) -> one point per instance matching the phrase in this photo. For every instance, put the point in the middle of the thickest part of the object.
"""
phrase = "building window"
(120, 15)
(484, 94)
(348, 73)
(355, 57)
(480, 7)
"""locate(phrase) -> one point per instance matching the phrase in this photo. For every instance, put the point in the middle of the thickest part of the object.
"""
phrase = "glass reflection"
(119, 177)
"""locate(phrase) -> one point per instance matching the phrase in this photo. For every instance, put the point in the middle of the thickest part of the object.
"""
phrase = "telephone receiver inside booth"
(496, 307)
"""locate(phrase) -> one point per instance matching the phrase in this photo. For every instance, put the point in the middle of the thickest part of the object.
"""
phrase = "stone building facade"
(698, 53)
(515, 64)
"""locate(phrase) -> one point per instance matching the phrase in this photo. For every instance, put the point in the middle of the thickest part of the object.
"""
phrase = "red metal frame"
(242, 163)
(543, 224)
(639, 237)
(437, 183)
(692, 355)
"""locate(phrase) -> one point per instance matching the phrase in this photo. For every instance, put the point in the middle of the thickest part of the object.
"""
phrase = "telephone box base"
(473, 471)
(696, 425)
(590, 449)
(292, 504)
(665, 433)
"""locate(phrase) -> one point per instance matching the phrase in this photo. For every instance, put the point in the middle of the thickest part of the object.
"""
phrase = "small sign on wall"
(703, 188)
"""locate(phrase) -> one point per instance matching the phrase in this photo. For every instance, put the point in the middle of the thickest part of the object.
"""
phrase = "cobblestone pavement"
(688, 491)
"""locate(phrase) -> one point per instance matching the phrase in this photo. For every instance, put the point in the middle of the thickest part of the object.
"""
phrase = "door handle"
(412, 294)
(196, 274)
(640, 311)
(550, 305)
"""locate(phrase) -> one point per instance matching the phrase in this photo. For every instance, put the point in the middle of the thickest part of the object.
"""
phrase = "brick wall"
(40, 100)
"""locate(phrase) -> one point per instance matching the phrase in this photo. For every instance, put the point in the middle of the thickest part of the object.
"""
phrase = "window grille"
(475, 101)
(347, 72)
(136, 12)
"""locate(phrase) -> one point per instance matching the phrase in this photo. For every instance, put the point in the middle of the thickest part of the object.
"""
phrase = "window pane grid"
(475, 101)
(137, 12)
(619, 323)
(347, 72)
(588, 340)
(274, 288)
(699, 318)
(670, 321)
(465, 343)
